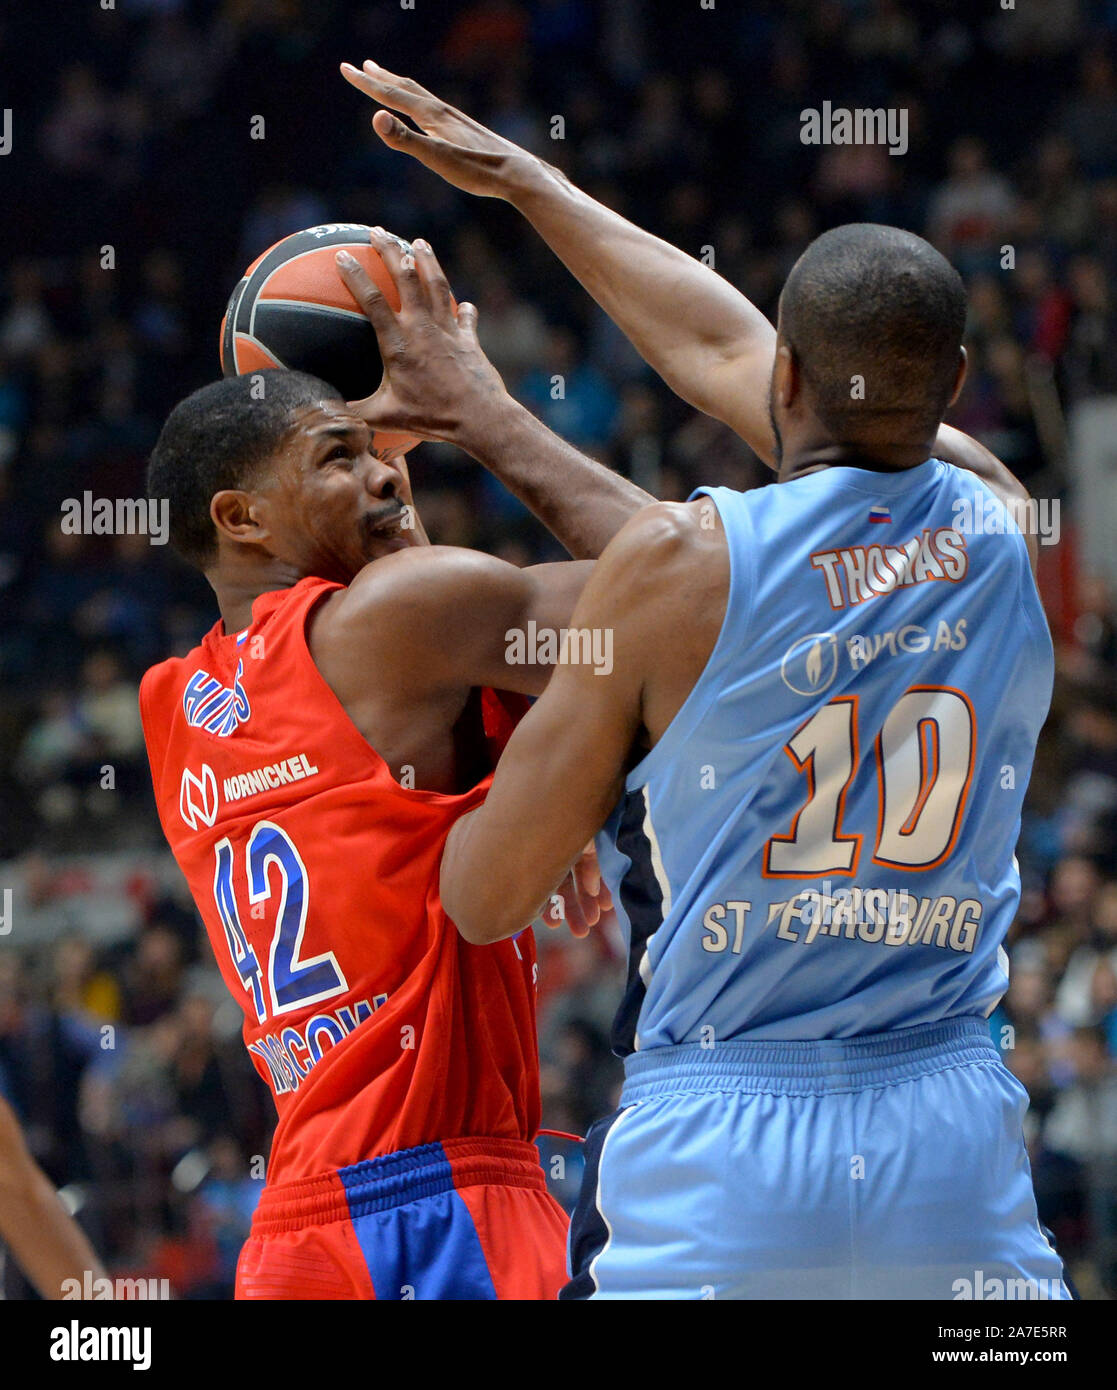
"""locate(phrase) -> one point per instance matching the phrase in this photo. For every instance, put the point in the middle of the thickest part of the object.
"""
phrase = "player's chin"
(381, 543)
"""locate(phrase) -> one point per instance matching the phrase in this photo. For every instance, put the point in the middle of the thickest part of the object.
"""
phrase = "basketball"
(291, 308)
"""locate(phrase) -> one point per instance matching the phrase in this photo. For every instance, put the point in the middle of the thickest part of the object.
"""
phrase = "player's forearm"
(700, 334)
(477, 900)
(47, 1243)
(502, 860)
(581, 502)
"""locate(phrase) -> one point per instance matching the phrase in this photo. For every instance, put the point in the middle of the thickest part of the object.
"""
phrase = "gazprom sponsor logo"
(217, 708)
(810, 665)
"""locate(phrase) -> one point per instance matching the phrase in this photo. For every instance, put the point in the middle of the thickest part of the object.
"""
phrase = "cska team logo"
(214, 707)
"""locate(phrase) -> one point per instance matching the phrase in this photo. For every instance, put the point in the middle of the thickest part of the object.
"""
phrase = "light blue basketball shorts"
(885, 1167)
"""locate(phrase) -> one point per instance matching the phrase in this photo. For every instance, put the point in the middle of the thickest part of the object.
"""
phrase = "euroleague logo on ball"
(810, 665)
(328, 228)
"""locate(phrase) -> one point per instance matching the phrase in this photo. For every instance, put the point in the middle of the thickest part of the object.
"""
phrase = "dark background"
(131, 129)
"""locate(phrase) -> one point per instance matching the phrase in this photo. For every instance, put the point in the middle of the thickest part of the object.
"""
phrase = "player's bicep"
(502, 626)
(454, 618)
(564, 768)
(522, 621)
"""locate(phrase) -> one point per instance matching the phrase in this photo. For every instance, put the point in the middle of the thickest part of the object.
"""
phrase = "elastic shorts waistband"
(808, 1068)
(393, 1180)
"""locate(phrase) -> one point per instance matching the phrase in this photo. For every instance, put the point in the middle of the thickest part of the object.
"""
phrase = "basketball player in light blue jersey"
(808, 748)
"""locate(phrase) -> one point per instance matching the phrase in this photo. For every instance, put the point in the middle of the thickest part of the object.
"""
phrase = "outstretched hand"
(452, 144)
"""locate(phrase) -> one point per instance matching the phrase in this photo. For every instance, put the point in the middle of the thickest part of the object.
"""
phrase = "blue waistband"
(828, 1065)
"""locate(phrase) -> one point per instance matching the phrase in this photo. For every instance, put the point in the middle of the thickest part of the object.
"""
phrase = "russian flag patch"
(880, 515)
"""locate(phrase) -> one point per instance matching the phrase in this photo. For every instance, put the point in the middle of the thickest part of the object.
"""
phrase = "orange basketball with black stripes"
(293, 309)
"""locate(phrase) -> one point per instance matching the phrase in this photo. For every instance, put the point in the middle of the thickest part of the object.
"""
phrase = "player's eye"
(340, 451)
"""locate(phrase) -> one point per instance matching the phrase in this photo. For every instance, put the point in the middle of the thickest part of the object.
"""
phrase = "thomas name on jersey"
(875, 570)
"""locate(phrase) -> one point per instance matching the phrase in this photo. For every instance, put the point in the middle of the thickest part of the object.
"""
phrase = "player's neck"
(810, 455)
(237, 592)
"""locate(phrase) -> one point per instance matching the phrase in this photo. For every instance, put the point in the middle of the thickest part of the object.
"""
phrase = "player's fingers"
(400, 263)
(587, 901)
(579, 930)
(576, 917)
(455, 163)
(372, 303)
(399, 134)
(589, 871)
(434, 279)
(467, 318)
(582, 911)
(400, 93)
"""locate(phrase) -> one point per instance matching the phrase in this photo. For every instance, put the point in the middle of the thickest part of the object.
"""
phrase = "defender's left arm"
(564, 768)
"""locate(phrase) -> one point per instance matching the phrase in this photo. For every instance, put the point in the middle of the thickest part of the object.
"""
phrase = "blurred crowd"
(134, 195)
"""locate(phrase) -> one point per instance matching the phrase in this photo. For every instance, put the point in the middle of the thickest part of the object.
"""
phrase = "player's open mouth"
(389, 524)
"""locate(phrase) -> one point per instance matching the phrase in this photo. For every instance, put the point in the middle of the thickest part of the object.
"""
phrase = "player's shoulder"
(397, 588)
(668, 533)
(965, 455)
(394, 624)
(668, 561)
(158, 682)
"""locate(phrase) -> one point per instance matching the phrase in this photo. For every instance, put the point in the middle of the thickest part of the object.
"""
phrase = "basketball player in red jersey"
(309, 759)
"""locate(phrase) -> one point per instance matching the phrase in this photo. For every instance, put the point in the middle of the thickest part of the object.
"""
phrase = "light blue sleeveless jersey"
(822, 844)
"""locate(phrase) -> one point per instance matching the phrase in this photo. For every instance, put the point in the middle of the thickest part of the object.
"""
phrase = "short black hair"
(217, 438)
(881, 304)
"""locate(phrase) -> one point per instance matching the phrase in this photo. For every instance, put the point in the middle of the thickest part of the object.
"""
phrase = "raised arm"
(704, 338)
(438, 384)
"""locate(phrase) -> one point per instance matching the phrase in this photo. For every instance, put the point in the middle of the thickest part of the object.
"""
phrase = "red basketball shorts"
(464, 1219)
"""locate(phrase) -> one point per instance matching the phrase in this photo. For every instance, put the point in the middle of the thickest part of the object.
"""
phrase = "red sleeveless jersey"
(316, 874)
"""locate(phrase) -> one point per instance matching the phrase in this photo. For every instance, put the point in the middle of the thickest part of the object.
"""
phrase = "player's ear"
(235, 515)
(787, 379)
(959, 380)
